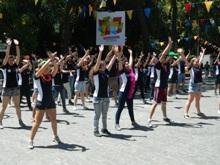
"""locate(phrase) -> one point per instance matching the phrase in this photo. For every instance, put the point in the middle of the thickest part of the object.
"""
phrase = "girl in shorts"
(45, 102)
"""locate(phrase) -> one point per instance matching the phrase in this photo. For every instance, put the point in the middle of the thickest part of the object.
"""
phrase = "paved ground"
(187, 142)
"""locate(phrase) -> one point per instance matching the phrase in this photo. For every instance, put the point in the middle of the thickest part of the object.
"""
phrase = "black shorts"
(217, 81)
(45, 105)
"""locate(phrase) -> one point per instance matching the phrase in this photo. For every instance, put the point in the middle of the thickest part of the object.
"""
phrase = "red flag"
(188, 7)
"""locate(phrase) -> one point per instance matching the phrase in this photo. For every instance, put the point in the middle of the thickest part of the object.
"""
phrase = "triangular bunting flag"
(219, 29)
(188, 7)
(103, 4)
(194, 24)
(90, 10)
(208, 5)
(147, 12)
(80, 10)
(1, 15)
(115, 1)
(130, 13)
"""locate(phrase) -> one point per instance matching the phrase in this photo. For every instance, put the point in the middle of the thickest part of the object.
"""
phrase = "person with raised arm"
(100, 74)
(127, 90)
(12, 82)
(195, 83)
(161, 84)
(80, 83)
(45, 102)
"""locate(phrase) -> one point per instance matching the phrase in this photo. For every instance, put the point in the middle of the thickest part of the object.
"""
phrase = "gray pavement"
(192, 141)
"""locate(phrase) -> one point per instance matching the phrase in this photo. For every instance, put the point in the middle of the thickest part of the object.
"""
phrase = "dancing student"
(58, 87)
(11, 83)
(195, 83)
(101, 94)
(152, 74)
(26, 72)
(45, 102)
(127, 90)
(140, 82)
(173, 74)
(217, 74)
(161, 84)
(80, 83)
(113, 80)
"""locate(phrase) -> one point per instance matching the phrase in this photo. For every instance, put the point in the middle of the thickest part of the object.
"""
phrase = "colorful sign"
(110, 28)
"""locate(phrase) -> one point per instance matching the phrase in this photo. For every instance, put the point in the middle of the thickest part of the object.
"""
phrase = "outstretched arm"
(97, 65)
(7, 53)
(18, 55)
(166, 50)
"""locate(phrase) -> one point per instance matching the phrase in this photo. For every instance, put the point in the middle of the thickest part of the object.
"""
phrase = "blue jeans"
(101, 106)
(71, 81)
(122, 99)
(61, 90)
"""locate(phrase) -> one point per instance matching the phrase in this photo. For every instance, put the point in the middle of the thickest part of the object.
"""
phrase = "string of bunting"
(190, 5)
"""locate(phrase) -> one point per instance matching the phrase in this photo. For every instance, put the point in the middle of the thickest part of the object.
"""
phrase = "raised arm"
(166, 50)
(217, 59)
(82, 59)
(130, 58)
(107, 59)
(117, 54)
(202, 53)
(7, 53)
(96, 68)
(18, 54)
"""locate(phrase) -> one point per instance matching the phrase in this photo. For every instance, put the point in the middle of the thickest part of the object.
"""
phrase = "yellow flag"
(161, 43)
(219, 29)
(35, 2)
(194, 24)
(103, 4)
(130, 13)
(208, 5)
(90, 10)
(195, 37)
(1, 15)
(178, 40)
(115, 1)
(79, 10)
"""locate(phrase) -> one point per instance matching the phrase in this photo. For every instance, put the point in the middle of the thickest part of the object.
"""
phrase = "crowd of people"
(61, 79)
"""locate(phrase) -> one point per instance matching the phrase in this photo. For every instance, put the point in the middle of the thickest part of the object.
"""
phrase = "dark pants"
(141, 86)
(26, 91)
(60, 89)
(122, 99)
(152, 84)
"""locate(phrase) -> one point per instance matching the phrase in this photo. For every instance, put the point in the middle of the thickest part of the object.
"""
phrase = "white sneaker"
(1, 125)
(149, 123)
(31, 144)
(117, 127)
(218, 111)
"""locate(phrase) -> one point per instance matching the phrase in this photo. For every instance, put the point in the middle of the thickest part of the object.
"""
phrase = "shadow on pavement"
(123, 137)
(24, 128)
(65, 146)
(185, 125)
(139, 128)
(74, 114)
(207, 117)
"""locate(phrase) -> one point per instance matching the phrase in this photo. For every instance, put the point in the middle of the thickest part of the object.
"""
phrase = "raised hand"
(170, 40)
(16, 42)
(101, 48)
(9, 41)
(130, 51)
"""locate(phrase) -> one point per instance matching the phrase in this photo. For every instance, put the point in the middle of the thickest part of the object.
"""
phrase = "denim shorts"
(80, 86)
(195, 87)
(11, 91)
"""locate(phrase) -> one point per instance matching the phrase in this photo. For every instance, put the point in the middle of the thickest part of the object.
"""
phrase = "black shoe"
(97, 134)
(65, 110)
(134, 124)
(70, 102)
(202, 115)
(167, 120)
(21, 123)
(105, 132)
